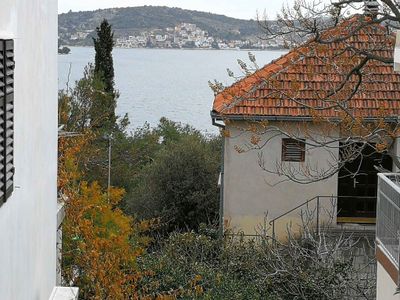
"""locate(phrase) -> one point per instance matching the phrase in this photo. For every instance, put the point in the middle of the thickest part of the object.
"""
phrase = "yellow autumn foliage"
(100, 243)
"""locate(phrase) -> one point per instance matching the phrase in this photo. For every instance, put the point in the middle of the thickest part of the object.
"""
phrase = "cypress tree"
(103, 108)
(103, 46)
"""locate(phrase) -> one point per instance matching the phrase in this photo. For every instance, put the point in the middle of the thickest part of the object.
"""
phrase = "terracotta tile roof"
(297, 84)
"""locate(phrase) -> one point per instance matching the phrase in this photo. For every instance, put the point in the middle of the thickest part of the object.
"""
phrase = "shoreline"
(193, 49)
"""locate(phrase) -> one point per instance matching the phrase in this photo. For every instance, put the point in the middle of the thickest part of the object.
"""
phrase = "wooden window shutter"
(6, 119)
(293, 150)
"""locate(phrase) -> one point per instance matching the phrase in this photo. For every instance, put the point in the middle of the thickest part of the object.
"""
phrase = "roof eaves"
(257, 118)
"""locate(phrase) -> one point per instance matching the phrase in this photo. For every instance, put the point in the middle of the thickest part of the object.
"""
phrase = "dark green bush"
(179, 185)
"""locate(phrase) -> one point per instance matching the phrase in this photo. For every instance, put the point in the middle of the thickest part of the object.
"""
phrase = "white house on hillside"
(28, 150)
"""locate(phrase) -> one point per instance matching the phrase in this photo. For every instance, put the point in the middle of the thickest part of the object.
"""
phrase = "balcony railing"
(312, 208)
(388, 214)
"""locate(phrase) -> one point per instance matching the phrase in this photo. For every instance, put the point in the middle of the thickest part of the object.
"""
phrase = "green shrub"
(179, 185)
(200, 266)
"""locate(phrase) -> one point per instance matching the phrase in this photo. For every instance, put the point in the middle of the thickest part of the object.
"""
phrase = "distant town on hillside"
(164, 27)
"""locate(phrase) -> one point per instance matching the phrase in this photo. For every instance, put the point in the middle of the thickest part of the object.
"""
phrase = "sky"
(243, 9)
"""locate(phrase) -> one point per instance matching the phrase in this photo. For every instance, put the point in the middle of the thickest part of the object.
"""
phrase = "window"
(293, 150)
(6, 119)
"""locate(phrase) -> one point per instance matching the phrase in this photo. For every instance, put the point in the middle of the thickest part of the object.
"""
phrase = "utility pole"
(109, 167)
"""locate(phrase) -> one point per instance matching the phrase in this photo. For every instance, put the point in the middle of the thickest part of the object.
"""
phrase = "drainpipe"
(221, 188)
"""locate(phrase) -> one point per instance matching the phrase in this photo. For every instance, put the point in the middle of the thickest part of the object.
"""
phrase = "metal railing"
(272, 222)
(388, 215)
(317, 200)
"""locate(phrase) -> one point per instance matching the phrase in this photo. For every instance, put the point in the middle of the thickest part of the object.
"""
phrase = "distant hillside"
(76, 28)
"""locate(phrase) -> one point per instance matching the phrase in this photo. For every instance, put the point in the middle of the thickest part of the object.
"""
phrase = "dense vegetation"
(179, 186)
(169, 173)
(137, 19)
(201, 266)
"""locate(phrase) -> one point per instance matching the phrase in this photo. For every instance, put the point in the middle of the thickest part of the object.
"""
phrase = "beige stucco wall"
(250, 193)
(386, 287)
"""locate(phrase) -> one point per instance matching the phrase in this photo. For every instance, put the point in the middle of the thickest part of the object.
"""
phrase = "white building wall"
(28, 218)
(250, 193)
(385, 287)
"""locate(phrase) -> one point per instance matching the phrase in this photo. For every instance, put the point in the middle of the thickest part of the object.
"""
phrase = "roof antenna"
(371, 8)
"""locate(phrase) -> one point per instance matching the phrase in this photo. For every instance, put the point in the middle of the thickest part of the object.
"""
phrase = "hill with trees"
(77, 28)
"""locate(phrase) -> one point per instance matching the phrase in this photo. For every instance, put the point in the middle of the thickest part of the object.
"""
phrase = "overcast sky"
(244, 9)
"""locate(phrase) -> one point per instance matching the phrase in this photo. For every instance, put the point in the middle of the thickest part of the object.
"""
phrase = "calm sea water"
(156, 83)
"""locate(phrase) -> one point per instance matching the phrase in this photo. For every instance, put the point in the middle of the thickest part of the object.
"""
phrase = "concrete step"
(356, 230)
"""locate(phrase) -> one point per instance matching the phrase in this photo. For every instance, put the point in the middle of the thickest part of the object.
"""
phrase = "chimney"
(371, 8)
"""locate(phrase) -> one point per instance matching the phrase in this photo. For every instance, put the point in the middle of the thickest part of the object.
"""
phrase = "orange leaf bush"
(100, 243)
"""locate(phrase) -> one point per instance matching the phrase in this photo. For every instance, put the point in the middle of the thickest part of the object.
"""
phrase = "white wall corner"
(64, 293)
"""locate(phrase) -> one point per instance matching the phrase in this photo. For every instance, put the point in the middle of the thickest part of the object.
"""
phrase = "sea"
(156, 83)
